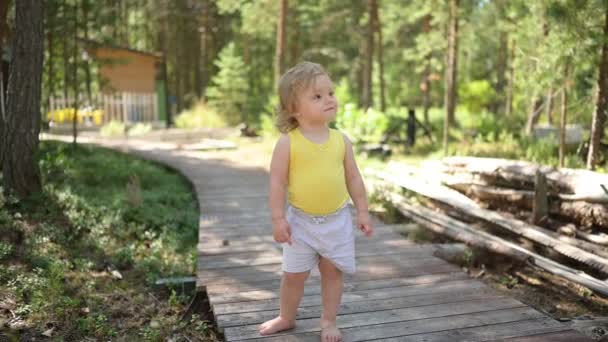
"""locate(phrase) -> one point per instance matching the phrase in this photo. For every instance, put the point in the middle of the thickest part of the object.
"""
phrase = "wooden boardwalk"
(401, 292)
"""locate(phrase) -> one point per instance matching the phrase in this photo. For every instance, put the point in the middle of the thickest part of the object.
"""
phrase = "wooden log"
(533, 233)
(584, 214)
(600, 239)
(434, 220)
(592, 240)
(575, 184)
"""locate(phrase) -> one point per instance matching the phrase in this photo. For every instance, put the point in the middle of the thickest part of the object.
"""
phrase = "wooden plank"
(349, 285)
(354, 296)
(380, 262)
(273, 256)
(257, 317)
(387, 316)
(561, 336)
(468, 327)
(365, 272)
(204, 250)
(314, 287)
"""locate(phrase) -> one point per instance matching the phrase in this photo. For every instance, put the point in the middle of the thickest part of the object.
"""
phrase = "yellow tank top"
(317, 182)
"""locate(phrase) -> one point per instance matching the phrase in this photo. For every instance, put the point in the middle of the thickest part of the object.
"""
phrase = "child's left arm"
(356, 189)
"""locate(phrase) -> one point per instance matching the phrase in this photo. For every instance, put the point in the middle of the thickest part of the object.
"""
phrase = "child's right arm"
(279, 176)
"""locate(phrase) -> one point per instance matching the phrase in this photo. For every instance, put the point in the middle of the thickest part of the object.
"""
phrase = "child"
(316, 167)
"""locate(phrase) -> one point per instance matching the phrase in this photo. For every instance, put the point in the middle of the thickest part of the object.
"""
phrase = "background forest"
(514, 62)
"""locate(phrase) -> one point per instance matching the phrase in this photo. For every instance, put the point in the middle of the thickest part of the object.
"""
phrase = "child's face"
(317, 103)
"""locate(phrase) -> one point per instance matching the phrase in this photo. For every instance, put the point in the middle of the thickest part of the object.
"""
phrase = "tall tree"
(601, 107)
(19, 130)
(367, 97)
(451, 72)
(426, 77)
(4, 29)
(281, 38)
(502, 56)
(378, 29)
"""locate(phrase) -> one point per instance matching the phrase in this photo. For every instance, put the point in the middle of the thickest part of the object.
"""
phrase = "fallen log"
(584, 214)
(469, 236)
(439, 222)
(530, 232)
(574, 184)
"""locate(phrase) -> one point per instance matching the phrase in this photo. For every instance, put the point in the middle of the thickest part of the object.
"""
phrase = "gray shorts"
(331, 236)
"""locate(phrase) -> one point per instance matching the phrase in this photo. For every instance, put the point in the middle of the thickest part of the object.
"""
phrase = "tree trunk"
(19, 138)
(533, 114)
(380, 59)
(4, 30)
(280, 51)
(205, 33)
(563, 116)
(75, 104)
(65, 52)
(295, 36)
(87, 64)
(549, 108)
(426, 83)
(367, 97)
(501, 63)
(451, 73)
(601, 107)
(511, 81)
(51, 49)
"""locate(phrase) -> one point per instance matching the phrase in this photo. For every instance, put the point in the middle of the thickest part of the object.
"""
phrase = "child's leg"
(331, 295)
(292, 289)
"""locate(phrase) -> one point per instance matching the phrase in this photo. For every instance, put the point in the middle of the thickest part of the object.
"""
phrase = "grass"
(77, 261)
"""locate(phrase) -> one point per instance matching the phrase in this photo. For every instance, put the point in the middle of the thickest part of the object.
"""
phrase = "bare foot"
(330, 332)
(275, 325)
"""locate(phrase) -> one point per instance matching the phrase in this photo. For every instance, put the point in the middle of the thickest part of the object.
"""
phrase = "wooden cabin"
(131, 83)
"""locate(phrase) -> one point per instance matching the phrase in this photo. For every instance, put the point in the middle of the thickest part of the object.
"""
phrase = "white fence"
(123, 107)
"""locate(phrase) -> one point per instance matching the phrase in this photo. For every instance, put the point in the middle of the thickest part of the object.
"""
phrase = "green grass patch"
(77, 261)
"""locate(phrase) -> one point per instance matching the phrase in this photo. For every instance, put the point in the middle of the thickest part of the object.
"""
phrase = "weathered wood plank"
(468, 327)
(257, 317)
(217, 296)
(378, 264)
(388, 316)
(561, 336)
(354, 296)
(372, 271)
(274, 256)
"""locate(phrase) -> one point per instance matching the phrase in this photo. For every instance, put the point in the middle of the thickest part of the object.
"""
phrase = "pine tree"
(228, 93)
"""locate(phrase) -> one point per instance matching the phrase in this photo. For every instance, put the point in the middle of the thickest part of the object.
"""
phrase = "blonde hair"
(295, 79)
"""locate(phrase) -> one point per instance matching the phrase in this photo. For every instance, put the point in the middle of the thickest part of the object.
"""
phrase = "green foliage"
(139, 129)
(361, 125)
(200, 116)
(476, 95)
(56, 252)
(228, 94)
(113, 128)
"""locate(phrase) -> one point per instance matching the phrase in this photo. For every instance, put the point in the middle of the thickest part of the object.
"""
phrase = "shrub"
(201, 115)
(113, 128)
(476, 95)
